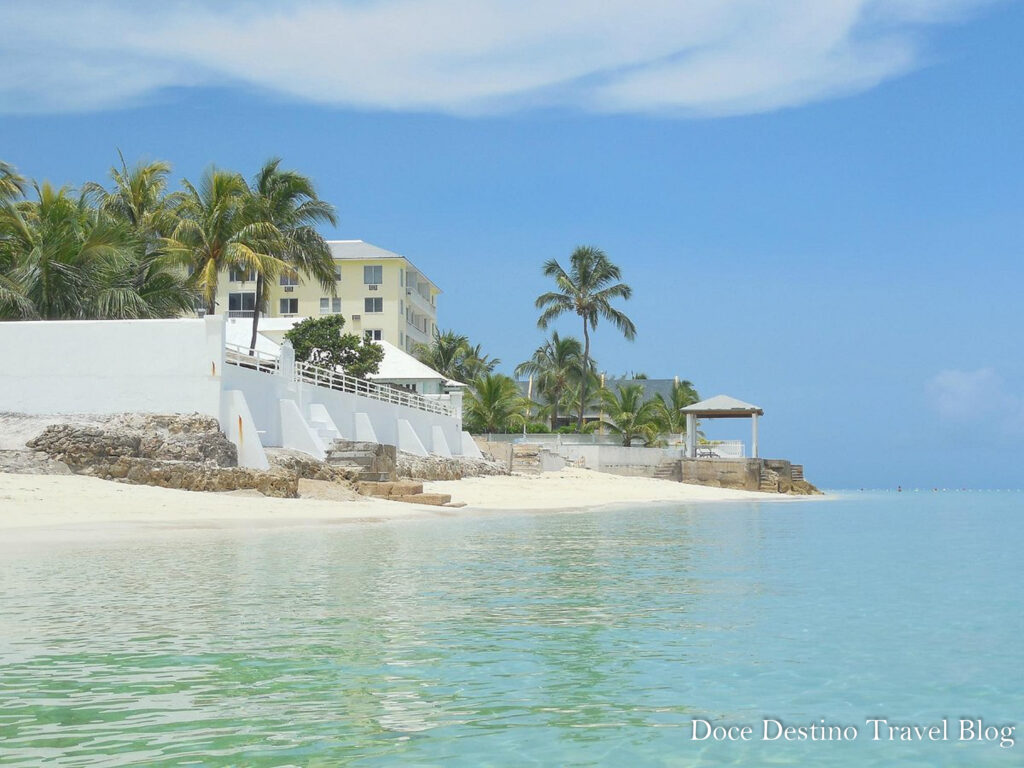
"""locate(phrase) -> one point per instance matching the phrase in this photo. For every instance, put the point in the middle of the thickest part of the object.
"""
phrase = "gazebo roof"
(723, 407)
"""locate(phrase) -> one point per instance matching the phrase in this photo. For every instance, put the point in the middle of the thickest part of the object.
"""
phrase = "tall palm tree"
(587, 289)
(494, 404)
(669, 412)
(626, 413)
(288, 202)
(214, 232)
(139, 199)
(555, 366)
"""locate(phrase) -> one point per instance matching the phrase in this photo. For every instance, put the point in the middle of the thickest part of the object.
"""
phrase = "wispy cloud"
(980, 398)
(677, 57)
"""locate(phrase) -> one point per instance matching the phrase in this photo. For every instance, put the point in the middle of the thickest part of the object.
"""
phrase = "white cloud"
(687, 57)
(978, 397)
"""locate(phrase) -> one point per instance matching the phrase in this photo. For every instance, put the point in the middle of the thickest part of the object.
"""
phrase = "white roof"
(238, 331)
(723, 405)
(359, 249)
(398, 365)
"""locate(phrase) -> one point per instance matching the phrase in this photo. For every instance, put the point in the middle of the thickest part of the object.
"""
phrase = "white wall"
(112, 366)
(263, 391)
(607, 456)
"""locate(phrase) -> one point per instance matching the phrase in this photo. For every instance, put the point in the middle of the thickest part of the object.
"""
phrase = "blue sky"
(821, 210)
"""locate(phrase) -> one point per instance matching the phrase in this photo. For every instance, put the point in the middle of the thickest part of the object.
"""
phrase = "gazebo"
(719, 407)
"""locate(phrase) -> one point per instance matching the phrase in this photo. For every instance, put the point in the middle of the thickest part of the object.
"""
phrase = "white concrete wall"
(263, 391)
(112, 366)
(601, 457)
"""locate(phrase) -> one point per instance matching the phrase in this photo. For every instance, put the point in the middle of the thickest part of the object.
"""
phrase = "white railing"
(256, 360)
(320, 376)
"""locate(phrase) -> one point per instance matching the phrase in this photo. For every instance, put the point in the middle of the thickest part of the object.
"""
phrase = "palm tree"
(288, 202)
(587, 290)
(626, 413)
(451, 355)
(475, 363)
(12, 185)
(494, 404)
(214, 232)
(444, 353)
(669, 412)
(555, 366)
(139, 199)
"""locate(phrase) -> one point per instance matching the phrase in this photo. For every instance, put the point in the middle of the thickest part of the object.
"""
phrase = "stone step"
(354, 445)
(431, 499)
(386, 490)
(374, 477)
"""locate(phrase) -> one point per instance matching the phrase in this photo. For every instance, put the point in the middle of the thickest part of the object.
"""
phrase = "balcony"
(420, 302)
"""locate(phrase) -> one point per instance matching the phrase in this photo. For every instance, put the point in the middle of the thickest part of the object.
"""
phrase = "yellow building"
(381, 294)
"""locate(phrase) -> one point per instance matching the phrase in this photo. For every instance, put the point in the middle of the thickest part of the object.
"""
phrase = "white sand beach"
(72, 501)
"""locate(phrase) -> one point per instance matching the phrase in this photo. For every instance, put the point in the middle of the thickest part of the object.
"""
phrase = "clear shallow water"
(518, 640)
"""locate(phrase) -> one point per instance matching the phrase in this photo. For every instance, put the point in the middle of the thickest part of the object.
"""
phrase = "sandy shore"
(575, 488)
(71, 502)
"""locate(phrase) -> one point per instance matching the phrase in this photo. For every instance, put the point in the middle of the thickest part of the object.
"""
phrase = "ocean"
(863, 630)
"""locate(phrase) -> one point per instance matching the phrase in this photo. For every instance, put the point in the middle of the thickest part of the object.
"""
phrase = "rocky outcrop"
(187, 438)
(192, 476)
(188, 452)
(416, 467)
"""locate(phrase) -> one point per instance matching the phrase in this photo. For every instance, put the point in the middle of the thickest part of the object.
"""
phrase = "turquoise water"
(522, 639)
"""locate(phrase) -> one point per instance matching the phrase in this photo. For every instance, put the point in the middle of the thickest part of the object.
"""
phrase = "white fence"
(319, 376)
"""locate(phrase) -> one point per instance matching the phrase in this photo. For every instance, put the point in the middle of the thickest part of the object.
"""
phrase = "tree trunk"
(586, 375)
(256, 313)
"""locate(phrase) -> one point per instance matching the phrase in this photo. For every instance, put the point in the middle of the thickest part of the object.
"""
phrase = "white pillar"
(691, 435)
(753, 430)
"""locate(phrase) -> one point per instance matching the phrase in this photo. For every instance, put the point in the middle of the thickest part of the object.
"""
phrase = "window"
(372, 335)
(373, 305)
(373, 275)
(325, 306)
(239, 275)
(337, 273)
(401, 306)
(241, 304)
(401, 278)
(289, 306)
(289, 277)
(336, 306)
(401, 338)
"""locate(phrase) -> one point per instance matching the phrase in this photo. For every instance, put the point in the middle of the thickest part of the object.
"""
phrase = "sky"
(819, 206)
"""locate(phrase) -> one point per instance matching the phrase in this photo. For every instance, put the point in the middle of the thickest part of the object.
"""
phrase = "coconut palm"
(288, 202)
(587, 289)
(444, 353)
(555, 366)
(68, 260)
(494, 404)
(451, 355)
(12, 185)
(669, 412)
(154, 283)
(626, 413)
(215, 232)
(139, 197)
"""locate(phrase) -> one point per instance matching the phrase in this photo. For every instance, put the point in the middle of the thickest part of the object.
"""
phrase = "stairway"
(375, 462)
(669, 469)
(797, 471)
(526, 459)
(769, 480)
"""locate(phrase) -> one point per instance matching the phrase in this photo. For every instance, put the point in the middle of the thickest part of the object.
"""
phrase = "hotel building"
(381, 294)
